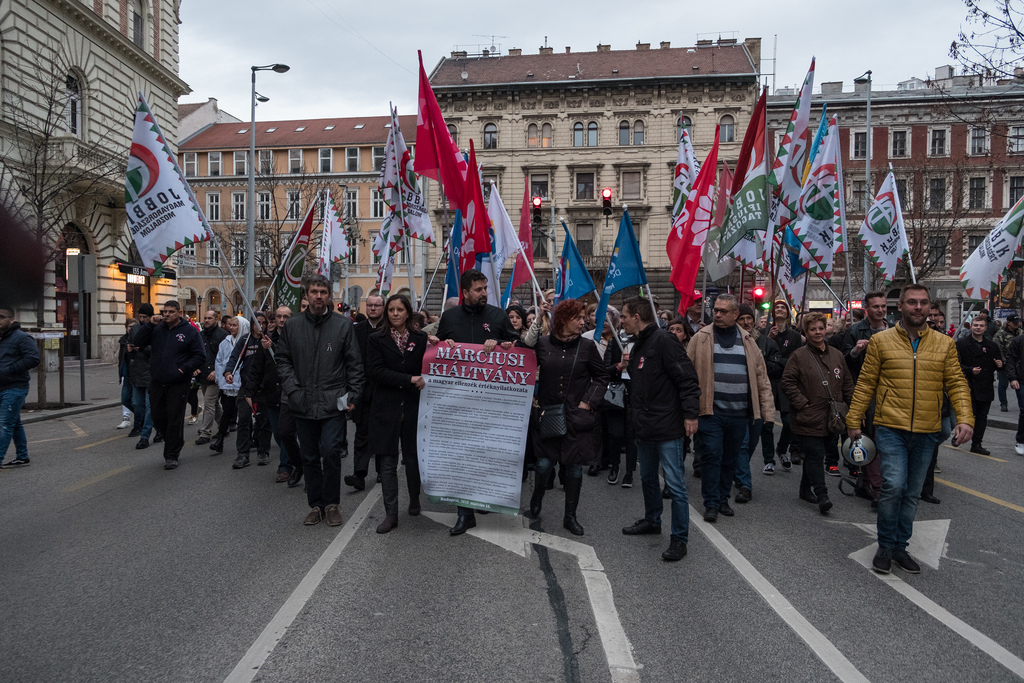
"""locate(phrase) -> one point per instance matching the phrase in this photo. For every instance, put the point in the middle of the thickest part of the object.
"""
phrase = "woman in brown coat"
(570, 373)
(815, 372)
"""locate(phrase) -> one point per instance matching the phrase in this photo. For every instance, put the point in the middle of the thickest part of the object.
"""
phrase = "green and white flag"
(163, 214)
(289, 285)
(818, 216)
(747, 216)
(686, 171)
(983, 270)
(883, 234)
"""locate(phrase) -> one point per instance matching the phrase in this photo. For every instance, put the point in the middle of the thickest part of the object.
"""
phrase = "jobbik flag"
(817, 216)
(289, 285)
(333, 238)
(746, 218)
(882, 233)
(990, 262)
(400, 187)
(163, 214)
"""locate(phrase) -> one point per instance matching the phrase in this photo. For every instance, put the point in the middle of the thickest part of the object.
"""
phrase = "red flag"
(476, 228)
(437, 155)
(724, 192)
(686, 240)
(521, 271)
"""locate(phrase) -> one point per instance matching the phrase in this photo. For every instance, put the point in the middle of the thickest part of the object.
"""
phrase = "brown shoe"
(282, 477)
(313, 517)
(389, 523)
(333, 515)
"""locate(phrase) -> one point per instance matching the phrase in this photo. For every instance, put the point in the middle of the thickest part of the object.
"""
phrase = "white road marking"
(927, 544)
(507, 532)
(257, 655)
(828, 653)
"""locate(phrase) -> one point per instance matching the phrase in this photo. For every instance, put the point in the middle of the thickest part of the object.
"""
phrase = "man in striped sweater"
(734, 392)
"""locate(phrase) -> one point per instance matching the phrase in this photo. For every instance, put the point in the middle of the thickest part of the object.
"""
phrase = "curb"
(1002, 424)
(77, 410)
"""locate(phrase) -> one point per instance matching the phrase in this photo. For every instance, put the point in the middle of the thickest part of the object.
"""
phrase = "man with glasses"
(361, 415)
(176, 353)
(18, 355)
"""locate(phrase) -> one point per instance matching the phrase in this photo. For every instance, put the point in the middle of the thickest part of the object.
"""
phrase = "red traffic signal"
(758, 292)
(606, 201)
(536, 202)
(606, 193)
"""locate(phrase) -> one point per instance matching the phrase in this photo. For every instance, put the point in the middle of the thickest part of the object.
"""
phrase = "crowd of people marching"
(640, 390)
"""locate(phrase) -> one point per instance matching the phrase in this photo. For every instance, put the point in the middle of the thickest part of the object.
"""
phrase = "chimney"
(643, 46)
(515, 52)
(459, 54)
(862, 86)
(486, 52)
(665, 45)
(547, 50)
(568, 49)
(832, 88)
(704, 43)
(727, 41)
(604, 48)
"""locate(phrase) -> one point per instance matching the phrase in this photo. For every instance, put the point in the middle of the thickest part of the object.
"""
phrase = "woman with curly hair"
(571, 373)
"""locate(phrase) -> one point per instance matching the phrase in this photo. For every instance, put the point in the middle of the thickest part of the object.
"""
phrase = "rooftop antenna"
(494, 43)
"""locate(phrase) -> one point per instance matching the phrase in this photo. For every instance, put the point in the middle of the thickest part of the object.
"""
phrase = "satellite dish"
(465, 75)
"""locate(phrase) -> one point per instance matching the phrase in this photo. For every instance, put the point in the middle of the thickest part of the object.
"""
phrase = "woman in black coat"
(394, 362)
(570, 372)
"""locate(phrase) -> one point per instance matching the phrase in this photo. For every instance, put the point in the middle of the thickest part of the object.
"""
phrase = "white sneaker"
(192, 420)
(125, 424)
(1019, 449)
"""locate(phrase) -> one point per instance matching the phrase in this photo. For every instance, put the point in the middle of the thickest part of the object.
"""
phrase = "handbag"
(552, 416)
(615, 395)
(835, 422)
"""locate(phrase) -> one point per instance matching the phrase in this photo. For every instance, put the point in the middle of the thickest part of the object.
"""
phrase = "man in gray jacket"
(321, 380)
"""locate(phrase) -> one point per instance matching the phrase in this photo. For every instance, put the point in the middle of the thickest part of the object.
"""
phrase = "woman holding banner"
(572, 379)
(394, 362)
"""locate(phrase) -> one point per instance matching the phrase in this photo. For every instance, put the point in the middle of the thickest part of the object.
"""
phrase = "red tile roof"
(371, 131)
(701, 61)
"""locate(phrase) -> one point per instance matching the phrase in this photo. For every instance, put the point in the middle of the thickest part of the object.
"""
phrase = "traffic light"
(606, 201)
(758, 296)
(536, 210)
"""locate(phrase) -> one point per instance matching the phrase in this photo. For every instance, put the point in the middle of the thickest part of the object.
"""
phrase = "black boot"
(572, 499)
(466, 521)
(537, 498)
(549, 483)
(217, 446)
(295, 478)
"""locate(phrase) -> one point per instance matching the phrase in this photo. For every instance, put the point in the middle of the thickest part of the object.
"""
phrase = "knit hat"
(146, 309)
(746, 309)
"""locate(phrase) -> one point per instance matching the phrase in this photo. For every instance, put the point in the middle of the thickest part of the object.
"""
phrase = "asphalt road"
(116, 570)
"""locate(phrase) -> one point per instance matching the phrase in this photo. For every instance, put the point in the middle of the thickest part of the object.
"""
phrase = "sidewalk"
(101, 391)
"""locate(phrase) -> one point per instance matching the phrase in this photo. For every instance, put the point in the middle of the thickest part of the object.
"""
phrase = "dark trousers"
(389, 469)
(620, 435)
(167, 405)
(981, 409)
(253, 426)
(722, 439)
(228, 413)
(286, 437)
(193, 399)
(784, 434)
(815, 449)
(361, 444)
(320, 443)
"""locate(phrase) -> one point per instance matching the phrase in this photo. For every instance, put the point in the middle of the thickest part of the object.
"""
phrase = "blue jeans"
(743, 479)
(143, 418)
(669, 454)
(723, 438)
(11, 401)
(904, 458)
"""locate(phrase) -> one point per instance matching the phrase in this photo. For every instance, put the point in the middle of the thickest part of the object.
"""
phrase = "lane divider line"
(97, 479)
(960, 450)
(979, 494)
(98, 443)
(76, 429)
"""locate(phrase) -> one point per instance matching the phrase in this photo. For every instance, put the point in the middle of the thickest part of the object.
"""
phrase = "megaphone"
(860, 452)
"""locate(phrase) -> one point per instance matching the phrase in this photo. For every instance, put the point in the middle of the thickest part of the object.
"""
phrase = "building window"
(212, 254)
(238, 252)
(351, 159)
(326, 160)
(937, 194)
(378, 158)
(1016, 189)
(263, 250)
(238, 206)
(727, 128)
(540, 244)
(490, 136)
(858, 196)
(899, 143)
(353, 252)
(191, 164)
(266, 157)
(577, 134)
(939, 142)
(936, 251)
(638, 133)
(539, 185)
(592, 134)
(295, 161)
(683, 123)
(973, 242)
(532, 135)
(860, 145)
(454, 132)
(213, 163)
(585, 239)
(376, 204)
(73, 114)
(901, 190)
(241, 167)
(979, 143)
(1016, 141)
(293, 202)
(623, 133)
(213, 206)
(318, 208)
(545, 135)
(977, 193)
(138, 24)
(584, 186)
(631, 184)
(263, 206)
(489, 181)
(350, 204)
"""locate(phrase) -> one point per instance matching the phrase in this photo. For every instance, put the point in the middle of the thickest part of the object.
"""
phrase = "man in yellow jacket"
(906, 368)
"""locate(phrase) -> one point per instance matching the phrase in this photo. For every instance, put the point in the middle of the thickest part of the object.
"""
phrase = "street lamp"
(250, 263)
(865, 79)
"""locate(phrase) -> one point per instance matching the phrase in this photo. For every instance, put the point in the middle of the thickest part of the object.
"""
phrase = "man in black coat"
(138, 374)
(787, 340)
(361, 415)
(980, 358)
(18, 355)
(474, 322)
(664, 405)
(213, 334)
(176, 355)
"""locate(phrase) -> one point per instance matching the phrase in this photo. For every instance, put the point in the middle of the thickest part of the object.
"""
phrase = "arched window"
(592, 134)
(623, 133)
(545, 135)
(490, 136)
(728, 129)
(683, 122)
(139, 23)
(531, 135)
(454, 132)
(73, 110)
(577, 134)
(638, 132)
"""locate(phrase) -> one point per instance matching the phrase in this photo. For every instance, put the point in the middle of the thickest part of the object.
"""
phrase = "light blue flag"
(452, 275)
(822, 129)
(506, 296)
(626, 268)
(573, 280)
(792, 247)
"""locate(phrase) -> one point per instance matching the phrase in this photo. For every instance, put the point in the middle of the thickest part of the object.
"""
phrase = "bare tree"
(992, 42)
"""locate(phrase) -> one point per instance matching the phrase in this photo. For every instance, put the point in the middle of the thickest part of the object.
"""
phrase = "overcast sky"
(350, 59)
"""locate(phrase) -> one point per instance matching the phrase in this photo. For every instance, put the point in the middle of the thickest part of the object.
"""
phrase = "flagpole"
(408, 268)
(615, 333)
(444, 250)
(822, 280)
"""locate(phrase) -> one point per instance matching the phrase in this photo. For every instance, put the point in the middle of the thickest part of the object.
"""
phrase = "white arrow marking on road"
(928, 548)
(508, 532)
